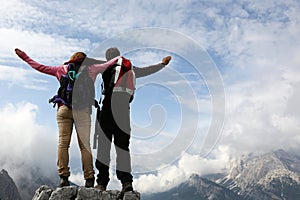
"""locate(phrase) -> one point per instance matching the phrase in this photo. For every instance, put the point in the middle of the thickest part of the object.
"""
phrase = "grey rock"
(110, 195)
(131, 195)
(88, 193)
(64, 193)
(42, 193)
(81, 193)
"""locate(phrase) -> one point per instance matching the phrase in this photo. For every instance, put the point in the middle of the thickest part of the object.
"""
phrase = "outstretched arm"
(95, 69)
(145, 71)
(91, 61)
(54, 71)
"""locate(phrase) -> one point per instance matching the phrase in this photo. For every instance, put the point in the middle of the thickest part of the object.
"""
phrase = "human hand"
(166, 60)
(18, 52)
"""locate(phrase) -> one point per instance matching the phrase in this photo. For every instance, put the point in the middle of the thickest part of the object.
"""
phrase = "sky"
(231, 88)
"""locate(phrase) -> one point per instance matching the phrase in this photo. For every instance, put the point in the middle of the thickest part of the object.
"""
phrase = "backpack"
(119, 78)
(76, 88)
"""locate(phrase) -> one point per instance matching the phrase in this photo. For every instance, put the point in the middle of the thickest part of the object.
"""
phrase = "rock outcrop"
(81, 193)
(8, 188)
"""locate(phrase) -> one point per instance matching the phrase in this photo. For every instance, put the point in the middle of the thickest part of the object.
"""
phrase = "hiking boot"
(63, 181)
(89, 182)
(100, 187)
(126, 187)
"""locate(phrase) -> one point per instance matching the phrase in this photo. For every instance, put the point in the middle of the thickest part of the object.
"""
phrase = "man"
(115, 122)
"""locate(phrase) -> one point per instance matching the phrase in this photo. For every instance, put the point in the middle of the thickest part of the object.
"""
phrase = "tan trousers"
(66, 117)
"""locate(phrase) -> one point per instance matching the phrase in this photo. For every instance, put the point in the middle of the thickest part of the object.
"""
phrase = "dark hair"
(112, 53)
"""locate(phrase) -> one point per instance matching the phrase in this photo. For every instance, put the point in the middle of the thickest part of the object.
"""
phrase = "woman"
(67, 117)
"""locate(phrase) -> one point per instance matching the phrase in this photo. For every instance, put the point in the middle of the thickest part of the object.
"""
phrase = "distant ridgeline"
(270, 176)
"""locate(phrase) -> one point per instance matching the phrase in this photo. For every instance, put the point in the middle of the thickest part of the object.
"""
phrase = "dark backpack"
(119, 78)
(76, 88)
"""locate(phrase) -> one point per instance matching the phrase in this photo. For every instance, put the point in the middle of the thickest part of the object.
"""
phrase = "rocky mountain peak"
(194, 179)
(8, 188)
(266, 173)
(3, 172)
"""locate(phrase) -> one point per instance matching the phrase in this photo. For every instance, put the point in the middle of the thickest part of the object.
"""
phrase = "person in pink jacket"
(67, 117)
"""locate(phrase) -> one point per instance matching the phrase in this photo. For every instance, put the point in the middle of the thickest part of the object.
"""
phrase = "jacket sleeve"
(91, 61)
(50, 70)
(95, 69)
(145, 71)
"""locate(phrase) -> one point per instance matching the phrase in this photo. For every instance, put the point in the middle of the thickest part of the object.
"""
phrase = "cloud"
(257, 44)
(187, 165)
(77, 178)
(93, 19)
(48, 49)
(24, 143)
(22, 77)
(259, 115)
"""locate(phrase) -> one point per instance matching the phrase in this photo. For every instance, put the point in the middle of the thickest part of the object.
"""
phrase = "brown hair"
(78, 55)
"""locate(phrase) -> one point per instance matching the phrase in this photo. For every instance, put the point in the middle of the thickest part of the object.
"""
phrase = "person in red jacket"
(67, 117)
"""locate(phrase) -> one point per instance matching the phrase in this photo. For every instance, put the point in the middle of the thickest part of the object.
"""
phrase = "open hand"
(166, 60)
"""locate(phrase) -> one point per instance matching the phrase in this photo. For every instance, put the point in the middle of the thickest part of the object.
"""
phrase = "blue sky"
(231, 88)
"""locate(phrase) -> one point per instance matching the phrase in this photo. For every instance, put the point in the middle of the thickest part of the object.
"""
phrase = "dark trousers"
(115, 125)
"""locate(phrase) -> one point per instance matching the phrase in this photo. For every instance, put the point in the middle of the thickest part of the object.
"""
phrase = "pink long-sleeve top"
(61, 70)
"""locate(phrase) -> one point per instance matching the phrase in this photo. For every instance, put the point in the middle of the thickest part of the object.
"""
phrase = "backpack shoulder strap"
(124, 63)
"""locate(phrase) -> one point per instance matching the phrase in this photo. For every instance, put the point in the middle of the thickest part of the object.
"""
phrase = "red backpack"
(119, 78)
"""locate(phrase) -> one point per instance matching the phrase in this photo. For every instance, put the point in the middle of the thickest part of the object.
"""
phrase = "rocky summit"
(81, 193)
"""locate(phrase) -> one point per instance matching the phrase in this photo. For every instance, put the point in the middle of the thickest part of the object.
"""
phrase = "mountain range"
(270, 176)
(274, 175)
(195, 188)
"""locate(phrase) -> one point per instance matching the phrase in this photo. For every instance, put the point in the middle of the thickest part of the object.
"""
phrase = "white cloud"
(93, 18)
(188, 164)
(22, 77)
(258, 47)
(24, 143)
(77, 178)
(260, 115)
(54, 50)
